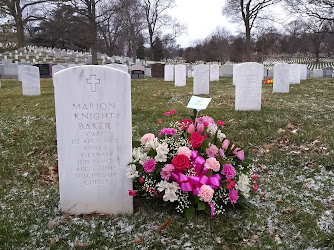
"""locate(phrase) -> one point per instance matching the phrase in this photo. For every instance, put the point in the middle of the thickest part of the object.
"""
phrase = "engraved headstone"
(30, 80)
(294, 73)
(328, 72)
(19, 71)
(248, 89)
(235, 74)
(120, 67)
(169, 73)
(201, 79)
(214, 72)
(303, 71)
(180, 75)
(318, 73)
(158, 70)
(94, 136)
(281, 78)
(56, 68)
(227, 70)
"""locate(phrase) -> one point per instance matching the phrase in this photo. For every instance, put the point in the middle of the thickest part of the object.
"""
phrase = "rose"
(149, 166)
(196, 140)
(184, 124)
(173, 111)
(180, 162)
(132, 193)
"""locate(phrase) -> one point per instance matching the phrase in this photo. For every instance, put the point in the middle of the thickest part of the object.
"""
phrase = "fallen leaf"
(280, 201)
(138, 240)
(80, 244)
(218, 240)
(232, 120)
(165, 224)
(278, 238)
(312, 166)
(269, 146)
(14, 132)
(254, 238)
(280, 130)
(52, 224)
(271, 230)
(288, 210)
(53, 241)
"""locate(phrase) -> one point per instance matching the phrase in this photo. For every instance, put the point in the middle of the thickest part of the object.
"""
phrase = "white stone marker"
(214, 72)
(31, 84)
(281, 78)
(169, 73)
(303, 71)
(55, 69)
(120, 67)
(94, 136)
(19, 71)
(294, 74)
(235, 74)
(201, 79)
(248, 89)
(180, 75)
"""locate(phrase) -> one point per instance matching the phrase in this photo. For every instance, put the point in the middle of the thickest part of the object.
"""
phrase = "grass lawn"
(291, 141)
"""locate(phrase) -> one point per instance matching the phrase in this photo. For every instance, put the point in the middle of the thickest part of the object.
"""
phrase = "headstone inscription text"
(93, 113)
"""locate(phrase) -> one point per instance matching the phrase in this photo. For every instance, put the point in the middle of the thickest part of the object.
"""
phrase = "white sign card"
(198, 103)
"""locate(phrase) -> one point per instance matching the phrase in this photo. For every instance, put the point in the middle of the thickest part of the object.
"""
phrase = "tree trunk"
(248, 41)
(19, 25)
(152, 46)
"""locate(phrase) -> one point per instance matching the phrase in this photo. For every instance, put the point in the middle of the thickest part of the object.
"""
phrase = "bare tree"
(247, 11)
(19, 11)
(157, 19)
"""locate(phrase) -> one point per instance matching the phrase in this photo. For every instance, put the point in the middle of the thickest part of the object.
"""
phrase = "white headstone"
(30, 80)
(226, 70)
(55, 69)
(120, 67)
(201, 79)
(318, 73)
(169, 73)
(19, 71)
(281, 78)
(94, 136)
(180, 75)
(294, 73)
(214, 72)
(303, 71)
(235, 74)
(248, 89)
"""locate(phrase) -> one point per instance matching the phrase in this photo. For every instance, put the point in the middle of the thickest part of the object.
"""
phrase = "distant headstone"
(281, 78)
(158, 70)
(94, 136)
(180, 75)
(214, 72)
(270, 73)
(9, 71)
(120, 67)
(44, 70)
(248, 89)
(147, 72)
(328, 72)
(318, 73)
(235, 74)
(30, 80)
(227, 70)
(201, 79)
(169, 73)
(303, 71)
(294, 74)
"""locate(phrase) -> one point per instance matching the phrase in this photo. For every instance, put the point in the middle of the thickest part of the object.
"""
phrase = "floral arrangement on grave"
(192, 165)
(269, 81)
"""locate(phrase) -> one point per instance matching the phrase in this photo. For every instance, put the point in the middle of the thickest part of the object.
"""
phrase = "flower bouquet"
(192, 165)
(269, 81)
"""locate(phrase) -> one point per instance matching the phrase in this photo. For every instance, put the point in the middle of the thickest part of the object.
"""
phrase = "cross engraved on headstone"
(93, 81)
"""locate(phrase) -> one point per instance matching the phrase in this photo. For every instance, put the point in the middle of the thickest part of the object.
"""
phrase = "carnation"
(204, 119)
(184, 151)
(233, 195)
(146, 138)
(228, 171)
(206, 193)
(149, 166)
(212, 163)
(239, 153)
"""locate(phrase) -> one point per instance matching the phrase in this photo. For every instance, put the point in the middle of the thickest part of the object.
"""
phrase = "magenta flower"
(233, 195)
(166, 171)
(210, 152)
(221, 153)
(204, 119)
(239, 154)
(149, 166)
(200, 127)
(191, 129)
(228, 171)
(220, 123)
(168, 131)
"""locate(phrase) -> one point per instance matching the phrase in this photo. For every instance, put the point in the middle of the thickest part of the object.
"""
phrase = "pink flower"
(149, 166)
(233, 195)
(229, 187)
(212, 151)
(222, 153)
(239, 153)
(168, 131)
(233, 184)
(165, 171)
(220, 123)
(205, 193)
(184, 151)
(141, 180)
(206, 124)
(147, 138)
(228, 180)
(225, 144)
(132, 193)
(204, 119)
(228, 171)
(167, 114)
(254, 176)
(212, 163)
(191, 128)
(200, 127)
(173, 111)
(255, 188)
(159, 135)
(159, 120)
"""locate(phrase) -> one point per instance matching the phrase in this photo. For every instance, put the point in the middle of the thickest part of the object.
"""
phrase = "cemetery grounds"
(291, 141)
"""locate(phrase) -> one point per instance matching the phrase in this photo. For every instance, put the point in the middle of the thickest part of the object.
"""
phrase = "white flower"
(212, 128)
(132, 172)
(163, 148)
(221, 136)
(160, 157)
(136, 154)
(152, 144)
(169, 196)
(170, 190)
(143, 157)
(162, 186)
(243, 185)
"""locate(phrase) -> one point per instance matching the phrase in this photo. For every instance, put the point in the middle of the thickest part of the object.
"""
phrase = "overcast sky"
(202, 17)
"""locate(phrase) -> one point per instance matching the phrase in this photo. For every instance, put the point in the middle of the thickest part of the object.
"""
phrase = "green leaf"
(205, 144)
(201, 205)
(190, 212)
(207, 210)
(194, 199)
(136, 144)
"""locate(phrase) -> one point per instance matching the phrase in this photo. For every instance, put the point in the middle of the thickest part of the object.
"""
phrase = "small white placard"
(198, 103)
